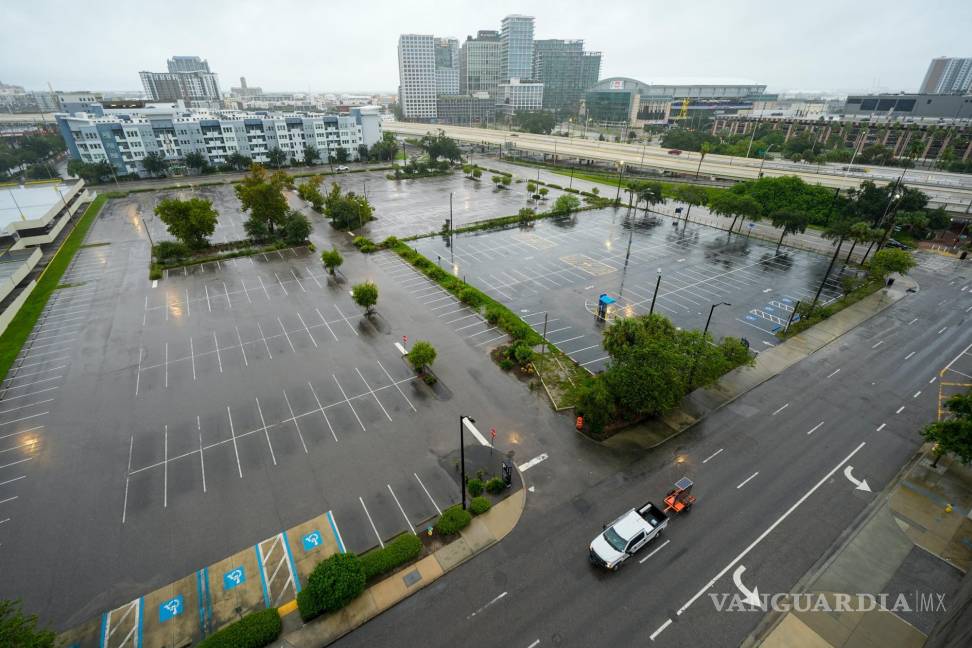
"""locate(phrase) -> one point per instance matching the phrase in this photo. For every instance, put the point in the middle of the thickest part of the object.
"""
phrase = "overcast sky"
(823, 45)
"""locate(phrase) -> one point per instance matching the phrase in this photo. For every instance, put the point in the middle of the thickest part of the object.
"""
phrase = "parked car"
(897, 245)
(342, 169)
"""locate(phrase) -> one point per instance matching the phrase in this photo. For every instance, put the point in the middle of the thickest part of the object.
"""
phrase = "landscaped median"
(16, 334)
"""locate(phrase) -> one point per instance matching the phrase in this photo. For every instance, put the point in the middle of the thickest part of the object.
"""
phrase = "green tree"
(440, 146)
(544, 191)
(276, 158)
(595, 402)
(310, 191)
(261, 194)
(506, 181)
(296, 228)
(477, 173)
(526, 216)
(704, 150)
(341, 155)
(691, 195)
(650, 193)
(332, 259)
(154, 164)
(90, 172)
(539, 122)
(497, 180)
(19, 630)
(915, 148)
(789, 222)
(365, 295)
(238, 161)
(890, 260)
(190, 221)
(196, 160)
(386, 149)
(311, 155)
(735, 205)
(531, 188)
(421, 356)
(566, 204)
(346, 210)
(859, 233)
(952, 434)
(336, 581)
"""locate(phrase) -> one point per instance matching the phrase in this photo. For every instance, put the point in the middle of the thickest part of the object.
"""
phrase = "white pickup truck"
(626, 535)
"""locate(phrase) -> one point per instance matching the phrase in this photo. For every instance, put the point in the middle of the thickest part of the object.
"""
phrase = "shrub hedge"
(399, 551)
(475, 487)
(479, 505)
(453, 520)
(495, 485)
(332, 585)
(255, 630)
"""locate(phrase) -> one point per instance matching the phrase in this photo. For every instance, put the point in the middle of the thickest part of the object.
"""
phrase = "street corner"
(312, 542)
(390, 591)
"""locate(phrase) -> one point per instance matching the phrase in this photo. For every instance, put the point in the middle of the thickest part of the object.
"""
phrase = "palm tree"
(791, 222)
(704, 149)
(860, 232)
(691, 195)
(651, 194)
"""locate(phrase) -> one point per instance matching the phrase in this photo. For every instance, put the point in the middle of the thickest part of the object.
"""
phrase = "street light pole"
(617, 197)
(704, 331)
(462, 459)
(765, 153)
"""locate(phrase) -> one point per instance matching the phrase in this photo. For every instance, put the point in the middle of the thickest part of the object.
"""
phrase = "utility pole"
(704, 331)
(462, 459)
(833, 259)
(654, 296)
(617, 196)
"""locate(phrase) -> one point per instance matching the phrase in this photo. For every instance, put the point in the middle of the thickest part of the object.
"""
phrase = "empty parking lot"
(556, 270)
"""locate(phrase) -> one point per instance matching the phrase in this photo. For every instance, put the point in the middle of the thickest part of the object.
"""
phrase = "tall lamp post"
(462, 458)
(617, 196)
(765, 153)
(704, 331)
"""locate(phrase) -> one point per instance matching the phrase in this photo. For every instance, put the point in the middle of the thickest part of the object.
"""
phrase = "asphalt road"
(773, 498)
(956, 194)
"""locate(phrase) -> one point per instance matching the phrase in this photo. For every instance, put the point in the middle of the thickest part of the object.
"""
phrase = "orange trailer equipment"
(680, 498)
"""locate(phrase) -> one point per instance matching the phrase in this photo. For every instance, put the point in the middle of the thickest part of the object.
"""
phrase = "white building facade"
(416, 74)
(123, 137)
(515, 96)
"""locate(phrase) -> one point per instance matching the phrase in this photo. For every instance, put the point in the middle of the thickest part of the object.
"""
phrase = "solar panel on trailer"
(684, 483)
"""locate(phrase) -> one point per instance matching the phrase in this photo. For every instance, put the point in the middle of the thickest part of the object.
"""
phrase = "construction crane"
(683, 111)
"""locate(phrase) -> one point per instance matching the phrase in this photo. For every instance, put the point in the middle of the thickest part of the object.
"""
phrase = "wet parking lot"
(556, 270)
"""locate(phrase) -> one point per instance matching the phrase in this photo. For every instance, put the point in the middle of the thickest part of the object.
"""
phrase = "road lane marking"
(815, 427)
(932, 379)
(910, 354)
(942, 330)
(917, 394)
(654, 551)
(745, 481)
(712, 456)
(880, 427)
(780, 410)
(912, 321)
(879, 343)
(770, 529)
(495, 600)
(833, 373)
(900, 409)
(660, 629)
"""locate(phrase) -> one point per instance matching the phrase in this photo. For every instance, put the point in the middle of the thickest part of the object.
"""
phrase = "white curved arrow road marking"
(859, 485)
(749, 596)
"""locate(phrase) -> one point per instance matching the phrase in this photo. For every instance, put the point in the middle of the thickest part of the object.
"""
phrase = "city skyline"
(637, 42)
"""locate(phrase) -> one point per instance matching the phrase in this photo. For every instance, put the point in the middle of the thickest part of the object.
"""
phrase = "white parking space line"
(236, 449)
(311, 335)
(320, 408)
(348, 401)
(399, 504)
(372, 392)
(392, 380)
(294, 419)
(427, 494)
(815, 428)
(373, 527)
(780, 409)
(319, 314)
(266, 431)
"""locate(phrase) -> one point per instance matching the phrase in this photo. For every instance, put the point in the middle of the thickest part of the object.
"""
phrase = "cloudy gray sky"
(849, 45)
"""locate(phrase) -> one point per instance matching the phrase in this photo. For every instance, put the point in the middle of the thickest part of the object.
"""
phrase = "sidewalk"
(769, 364)
(483, 532)
(912, 545)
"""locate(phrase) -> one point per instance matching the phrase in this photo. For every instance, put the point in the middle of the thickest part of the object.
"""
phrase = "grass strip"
(13, 338)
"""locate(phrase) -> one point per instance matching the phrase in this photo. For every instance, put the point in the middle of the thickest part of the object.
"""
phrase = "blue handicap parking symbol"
(170, 608)
(312, 540)
(233, 578)
(751, 318)
(769, 309)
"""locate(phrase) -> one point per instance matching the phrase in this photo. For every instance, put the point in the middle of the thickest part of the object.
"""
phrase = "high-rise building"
(446, 66)
(479, 63)
(416, 76)
(566, 72)
(514, 96)
(947, 75)
(187, 64)
(516, 47)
